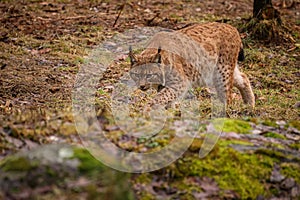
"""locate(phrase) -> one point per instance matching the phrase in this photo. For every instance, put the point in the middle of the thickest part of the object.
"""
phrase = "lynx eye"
(134, 75)
(150, 75)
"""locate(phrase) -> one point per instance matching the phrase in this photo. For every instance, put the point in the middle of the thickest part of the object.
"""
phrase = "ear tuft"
(158, 56)
(159, 50)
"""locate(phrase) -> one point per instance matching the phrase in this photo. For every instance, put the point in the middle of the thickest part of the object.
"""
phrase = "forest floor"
(44, 44)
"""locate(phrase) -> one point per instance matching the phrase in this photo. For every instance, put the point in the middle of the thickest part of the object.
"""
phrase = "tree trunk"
(259, 5)
(266, 24)
(263, 9)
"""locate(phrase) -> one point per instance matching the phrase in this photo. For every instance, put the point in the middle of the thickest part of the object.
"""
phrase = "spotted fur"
(204, 54)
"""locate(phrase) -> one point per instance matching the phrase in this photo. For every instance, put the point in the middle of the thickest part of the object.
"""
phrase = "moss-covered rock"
(232, 125)
(233, 174)
(295, 124)
(64, 171)
(243, 173)
(274, 135)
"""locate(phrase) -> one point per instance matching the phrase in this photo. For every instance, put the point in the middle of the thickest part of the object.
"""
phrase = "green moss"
(242, 173)
(88, 164)
(100, 91)
(269, 123)
(17, 164)
(291, 170)
(232, 125)
(78, 60)
(277, 156)
(92, 192)
(295, 146)
(143, 178)
(275, 145)
(196, 145)
(274, 135)
(295, 124)
(115, 183)
(226, 143)
(188, 186)
(146, 196)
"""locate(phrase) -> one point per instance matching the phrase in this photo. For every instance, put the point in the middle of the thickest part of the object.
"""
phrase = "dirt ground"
(44, 43)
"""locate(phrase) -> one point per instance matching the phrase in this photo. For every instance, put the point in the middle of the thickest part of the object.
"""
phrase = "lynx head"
(147, 71)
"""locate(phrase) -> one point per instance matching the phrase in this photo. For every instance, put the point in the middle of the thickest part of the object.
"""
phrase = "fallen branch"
(67, 18)
(120, 11)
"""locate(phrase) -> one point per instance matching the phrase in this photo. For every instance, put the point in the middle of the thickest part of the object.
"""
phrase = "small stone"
(276, 177)
(53, 138)
(16, 142)
(109, 88)
(232, 135)
(293, 130)
(288, 81)
(260, 197)
(65, 152)
(297, 104)
(256, 132)
(147, 10)
(30, 144)
(111, 128)
(295, 192)
(281, 123)
(287, 183)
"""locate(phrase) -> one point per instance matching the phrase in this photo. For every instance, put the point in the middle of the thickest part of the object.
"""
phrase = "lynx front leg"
(243, 84)
(174, 89)
(164, 97)
(161, 101)
(176, 85)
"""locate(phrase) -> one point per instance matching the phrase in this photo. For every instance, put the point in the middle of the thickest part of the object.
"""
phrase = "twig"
(152, 19)
(67, 18)
(291, 49)
(121, 9)
(78, 17)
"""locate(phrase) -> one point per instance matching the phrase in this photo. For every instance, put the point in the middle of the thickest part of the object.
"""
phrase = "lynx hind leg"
(243, 84)
(223, 84)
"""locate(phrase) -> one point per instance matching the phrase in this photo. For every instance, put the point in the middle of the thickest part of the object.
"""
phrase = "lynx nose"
(143, 87)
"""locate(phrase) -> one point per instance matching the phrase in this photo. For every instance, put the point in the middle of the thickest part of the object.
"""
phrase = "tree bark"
(263, 9)
(259, 6)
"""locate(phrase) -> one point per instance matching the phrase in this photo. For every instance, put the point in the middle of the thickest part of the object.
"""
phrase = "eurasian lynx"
(201, 54)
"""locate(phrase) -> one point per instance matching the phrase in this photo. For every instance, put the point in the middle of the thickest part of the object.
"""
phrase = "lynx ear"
(158, 56)
(131, 56)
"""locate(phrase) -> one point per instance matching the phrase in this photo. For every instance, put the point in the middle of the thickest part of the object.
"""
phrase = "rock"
(295, 192)
(256, 131)
(59, 171)
(15, 141)
(280, 198)
(281, 123)
(293, 130)
(297, 104)
(287, 183)
(276, 176)
(232, 135)
(30, 144)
